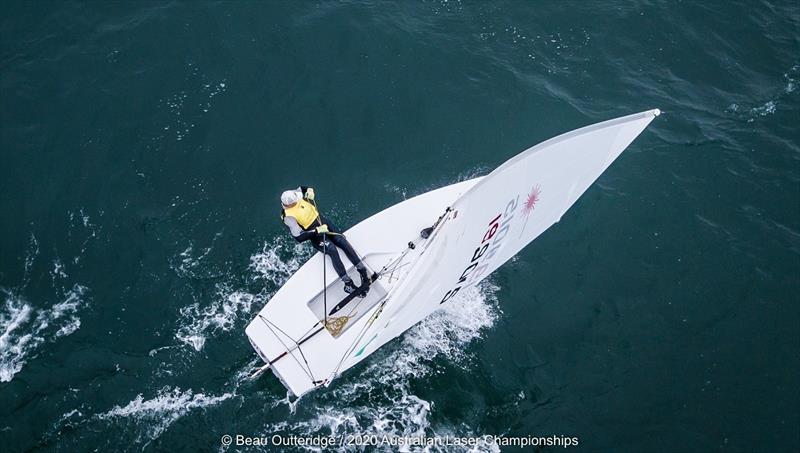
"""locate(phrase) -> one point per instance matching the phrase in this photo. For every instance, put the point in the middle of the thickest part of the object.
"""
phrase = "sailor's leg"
(341, 242)
(344, 244)
(330, 250)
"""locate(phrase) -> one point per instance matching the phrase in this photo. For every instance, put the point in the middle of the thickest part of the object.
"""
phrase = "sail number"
(493, 238)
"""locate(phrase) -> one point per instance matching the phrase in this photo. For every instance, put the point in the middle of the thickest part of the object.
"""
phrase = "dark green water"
(143, 147)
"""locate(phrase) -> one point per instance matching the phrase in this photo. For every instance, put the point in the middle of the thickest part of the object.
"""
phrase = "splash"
(771, 106)
(25, 329)
(220, 316)
(150, 418)
(767, 108)
(30, 258)
(791, 79)
(188, 264)
(276, 262)
(397, 190)
(187, 107)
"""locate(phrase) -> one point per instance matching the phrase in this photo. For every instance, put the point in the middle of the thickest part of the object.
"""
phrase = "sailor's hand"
(322, 229)
(310, 193)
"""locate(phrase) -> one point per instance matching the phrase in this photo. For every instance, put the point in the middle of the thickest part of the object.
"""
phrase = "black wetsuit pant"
(334, 241)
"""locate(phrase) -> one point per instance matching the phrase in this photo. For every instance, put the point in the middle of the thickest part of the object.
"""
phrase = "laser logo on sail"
(482, 256)
(530, 205)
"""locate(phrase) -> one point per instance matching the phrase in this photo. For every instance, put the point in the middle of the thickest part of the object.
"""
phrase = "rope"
(307, 368)
(358, 338)
(395, 262)
(337, 323)
(324, 265)
(324, 278)
(411, 245)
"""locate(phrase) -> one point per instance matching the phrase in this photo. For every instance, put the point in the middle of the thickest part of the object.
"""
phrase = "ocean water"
(143, 147)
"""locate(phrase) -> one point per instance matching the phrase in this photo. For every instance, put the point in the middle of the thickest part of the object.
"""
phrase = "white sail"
(503, 213)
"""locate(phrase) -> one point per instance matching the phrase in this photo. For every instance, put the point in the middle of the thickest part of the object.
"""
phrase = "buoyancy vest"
(304, 212)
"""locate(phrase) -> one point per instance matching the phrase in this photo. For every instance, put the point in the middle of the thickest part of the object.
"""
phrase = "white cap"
(290, 197)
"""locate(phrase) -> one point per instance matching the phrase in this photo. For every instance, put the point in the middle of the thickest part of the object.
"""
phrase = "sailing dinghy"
(442, 241)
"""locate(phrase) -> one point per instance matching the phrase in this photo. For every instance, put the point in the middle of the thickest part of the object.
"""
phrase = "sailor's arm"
(298, 233)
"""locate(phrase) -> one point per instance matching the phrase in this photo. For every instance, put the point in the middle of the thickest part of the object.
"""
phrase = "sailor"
(300, 215)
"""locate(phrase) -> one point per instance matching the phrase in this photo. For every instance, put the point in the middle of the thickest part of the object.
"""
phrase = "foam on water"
(770, 106)
(26, 329)
(279, 259)
(187, 106)
(188, 263)
(391, 188)
(144, 420)
(276, 262)
(81, 225)
(379, 399)
(791, 79)
(30, 258)
(149, 418)
(374, 398)
(220, 316)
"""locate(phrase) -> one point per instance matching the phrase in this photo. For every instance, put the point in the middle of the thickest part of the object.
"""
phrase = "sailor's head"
(289, 198)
